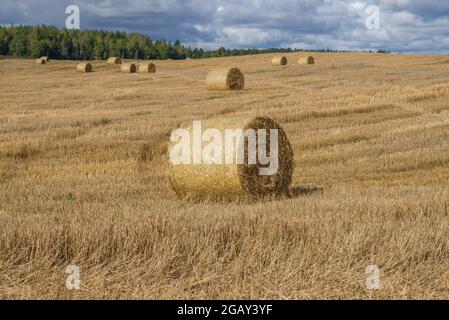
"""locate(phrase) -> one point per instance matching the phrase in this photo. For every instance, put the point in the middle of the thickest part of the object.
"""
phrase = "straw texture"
(128, 68)
(306, 60)
(225, 79)
(84, 67)
(147, 67)
(279, 61)
(234, 180)
(114, 60)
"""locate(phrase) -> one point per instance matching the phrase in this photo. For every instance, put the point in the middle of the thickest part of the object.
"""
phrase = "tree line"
(41, 40)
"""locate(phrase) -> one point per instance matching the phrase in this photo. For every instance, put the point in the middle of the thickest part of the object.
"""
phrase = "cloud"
(405, 25)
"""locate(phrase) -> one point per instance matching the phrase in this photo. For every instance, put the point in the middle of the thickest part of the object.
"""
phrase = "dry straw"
(279, 61)
(128, 68)
(234, 181)
(306, 60)
(40, 61)
(84, 67)
(225, 79)
(114, 60)
(147, 67)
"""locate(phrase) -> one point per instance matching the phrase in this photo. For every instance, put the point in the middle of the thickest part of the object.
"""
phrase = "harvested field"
(84, 180)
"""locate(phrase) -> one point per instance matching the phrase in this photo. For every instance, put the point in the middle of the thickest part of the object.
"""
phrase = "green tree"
(99, 48)
(3, 41)
(19, 45)
(45, 46)
(34, 41)
(65, 47)
(132, 47)
(120, 48)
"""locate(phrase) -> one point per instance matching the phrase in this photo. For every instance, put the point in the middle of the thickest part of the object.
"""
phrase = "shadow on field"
(299, 191)
(294, 192)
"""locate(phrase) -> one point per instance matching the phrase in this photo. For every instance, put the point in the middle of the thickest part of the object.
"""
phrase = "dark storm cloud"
(405, 25)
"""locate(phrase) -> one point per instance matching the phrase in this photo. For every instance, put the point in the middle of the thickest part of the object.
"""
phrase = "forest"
(41, 40)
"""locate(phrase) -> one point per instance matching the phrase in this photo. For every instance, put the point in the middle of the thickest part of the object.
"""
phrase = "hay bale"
(225, 79)
(306, 60)
(45, 58)
(114, 60)
(229, 179)
(84, 67)
(279, 61)
(128, 68)
(40, 61)
(147, 67)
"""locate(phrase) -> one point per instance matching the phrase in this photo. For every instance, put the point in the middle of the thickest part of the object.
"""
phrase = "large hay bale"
(147, 67)
(84, 67)
(232, 179)
(40, 61)
(45, 58)
(114, 60)
(225, 79)
(279, 61)
(306, 60)
(128, 68)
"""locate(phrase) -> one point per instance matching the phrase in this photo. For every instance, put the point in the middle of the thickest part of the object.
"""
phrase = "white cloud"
(247, 36)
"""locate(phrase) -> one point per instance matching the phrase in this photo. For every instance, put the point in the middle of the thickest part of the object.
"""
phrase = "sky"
(418, 26)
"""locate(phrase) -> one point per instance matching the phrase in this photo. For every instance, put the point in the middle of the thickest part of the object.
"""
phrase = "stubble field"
(84, 181)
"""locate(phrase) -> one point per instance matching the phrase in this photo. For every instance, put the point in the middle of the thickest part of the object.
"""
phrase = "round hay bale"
(128, 68)
(114, 60)
(225, 79)
(40, 61)
(233, 179)
(306, 60)
(84, 67)
(279, 61)
(45, 58)
(147, 67)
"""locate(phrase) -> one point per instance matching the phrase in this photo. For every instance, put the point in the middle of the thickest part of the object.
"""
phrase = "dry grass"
(84, 180)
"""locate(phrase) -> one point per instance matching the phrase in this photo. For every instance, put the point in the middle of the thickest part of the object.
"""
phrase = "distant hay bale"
(45, 58)
(114, 60)
(279, 61)
(128, 68)
(229, 179)
(84, 67)
(306, 60)
(40, 61)
(147, 67)
(225, 79)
